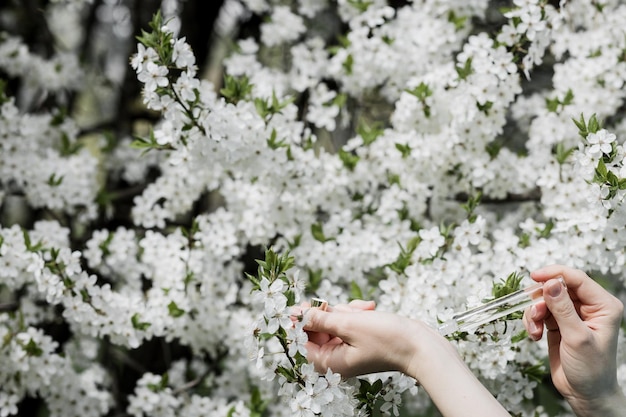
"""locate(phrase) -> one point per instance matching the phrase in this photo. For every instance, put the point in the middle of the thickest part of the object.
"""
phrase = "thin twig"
(9, 307)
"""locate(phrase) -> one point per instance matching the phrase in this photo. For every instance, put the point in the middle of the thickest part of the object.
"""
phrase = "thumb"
(562, 308)
(317, 320)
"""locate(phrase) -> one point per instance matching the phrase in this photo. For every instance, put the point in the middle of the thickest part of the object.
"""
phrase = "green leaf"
(273, 143)
(376, 386)
(364, 386)
(296, 241)
(404, 258)
(524, 240)
(593, 126)
(149, 143)
(523, 335)
(55, 181)
(157, 21)
(256, 284)
(552, 104)
(257, 404)
(318, 232)
(581, 125)
(393, 179)
(485, 107)
(507, 286)
(612, 179)
(236, 89)
(601, 170)
(348, 63)
(355, 291)
(466, 70)
(140, 143)
(291, 297)
(545, 232)
(569, 98)
(137, 323)
(404, 149)
(67, 147)
(369, 133)
(32, 349)
(360, 5)
(421, 91)
(174, 310)
(339, 100)
(315, 280)
(288, 373)
(163, 383)
(493, 148)
(457, 21)
(473, 201)
(535, 372)
(37, 246)
(273, 106)
(3, 96)
(349, 159)
(563, 153)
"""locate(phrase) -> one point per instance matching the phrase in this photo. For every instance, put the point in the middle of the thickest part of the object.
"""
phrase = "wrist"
(611, 405)
(427, 347)
(440, 370)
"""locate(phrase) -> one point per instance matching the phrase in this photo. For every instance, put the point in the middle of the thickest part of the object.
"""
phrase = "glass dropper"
(471, 319)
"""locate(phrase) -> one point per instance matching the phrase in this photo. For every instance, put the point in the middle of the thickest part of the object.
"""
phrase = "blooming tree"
(425, 154)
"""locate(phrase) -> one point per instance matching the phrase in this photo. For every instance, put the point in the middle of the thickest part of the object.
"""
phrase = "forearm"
(451, 385)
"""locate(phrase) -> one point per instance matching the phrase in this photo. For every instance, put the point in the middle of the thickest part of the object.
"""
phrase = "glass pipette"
(493, 310)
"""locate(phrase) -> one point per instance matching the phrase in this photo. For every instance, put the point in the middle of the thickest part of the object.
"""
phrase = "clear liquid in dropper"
(471, 319)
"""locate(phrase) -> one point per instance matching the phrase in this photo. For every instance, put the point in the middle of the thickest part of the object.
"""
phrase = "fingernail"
(533, 312)
(555, 289)
(533, 328)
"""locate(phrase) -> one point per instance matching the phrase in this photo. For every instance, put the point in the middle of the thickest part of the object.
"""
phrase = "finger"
(362, 304)
(533, 320)
(319, 338)
(317, 320)
(353, 306)
(313, 355)
(562, 309)
(328, 356)
(578, 283)
(341, 307)
(539, 312)
(297, 310)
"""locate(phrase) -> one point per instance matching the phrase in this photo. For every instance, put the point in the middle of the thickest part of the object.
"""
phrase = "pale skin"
(355, 339)
(582, 324)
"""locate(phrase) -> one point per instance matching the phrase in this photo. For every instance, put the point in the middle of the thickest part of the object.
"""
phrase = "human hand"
(582, 323)
(321, 338)
(354, 339)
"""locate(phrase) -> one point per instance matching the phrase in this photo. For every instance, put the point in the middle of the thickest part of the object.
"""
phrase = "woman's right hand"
(582, 323)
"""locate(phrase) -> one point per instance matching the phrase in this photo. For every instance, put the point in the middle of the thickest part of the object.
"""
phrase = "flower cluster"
(42, 159)
(307, 392)
(417, 153)
(61, 72)
(279, 331)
